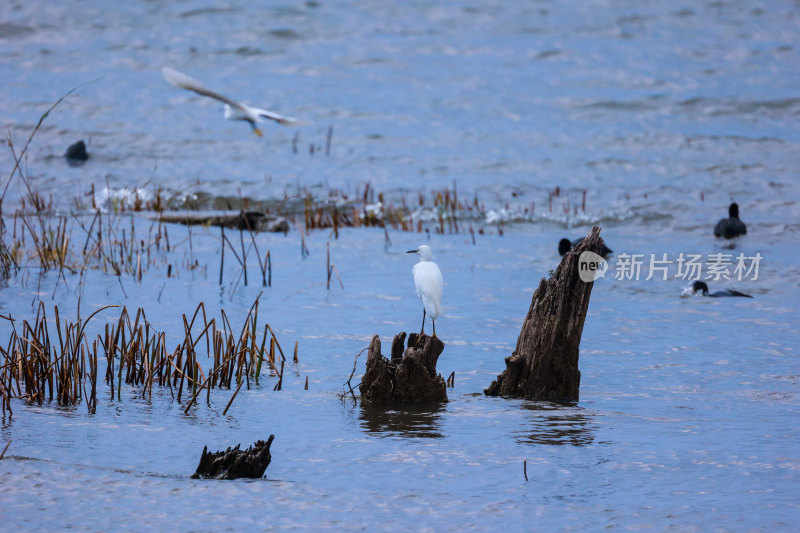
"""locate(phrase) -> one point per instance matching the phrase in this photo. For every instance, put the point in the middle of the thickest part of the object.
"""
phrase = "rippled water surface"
(662, 112)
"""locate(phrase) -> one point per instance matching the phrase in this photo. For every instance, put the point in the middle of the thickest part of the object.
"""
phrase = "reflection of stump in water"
(413, 421)
(409, 376)
(544, 365)
(235, 463)
(558, 425)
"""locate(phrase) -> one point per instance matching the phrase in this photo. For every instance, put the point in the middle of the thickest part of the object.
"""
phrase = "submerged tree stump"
(544, 364)
(243, 220)
(408, 376)
(235, 463)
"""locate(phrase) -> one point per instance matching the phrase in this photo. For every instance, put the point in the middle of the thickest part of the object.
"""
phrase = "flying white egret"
(428, 281)
(233, 110)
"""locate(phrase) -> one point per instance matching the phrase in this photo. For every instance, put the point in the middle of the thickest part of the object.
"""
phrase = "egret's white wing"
(430, 306)
(428, 281)
(273, 116)
(179, 79)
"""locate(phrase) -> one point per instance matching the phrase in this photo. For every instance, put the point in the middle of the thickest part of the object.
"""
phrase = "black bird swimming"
(730, 227)
(76, 153)
(701, 286)
(565, 246)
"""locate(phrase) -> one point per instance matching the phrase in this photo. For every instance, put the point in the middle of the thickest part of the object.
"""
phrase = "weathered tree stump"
(409, 376)
(235, 463)
(544, 364)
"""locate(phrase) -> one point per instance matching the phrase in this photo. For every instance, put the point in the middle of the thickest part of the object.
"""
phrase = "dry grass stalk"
(38, 367)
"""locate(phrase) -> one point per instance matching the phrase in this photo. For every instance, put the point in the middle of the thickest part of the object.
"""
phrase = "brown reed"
(40, 363)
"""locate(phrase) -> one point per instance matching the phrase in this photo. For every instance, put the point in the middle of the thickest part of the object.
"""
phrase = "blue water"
(663, 112)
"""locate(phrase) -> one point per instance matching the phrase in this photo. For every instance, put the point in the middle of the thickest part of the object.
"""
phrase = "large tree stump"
(408, 377)
(234, 463)
(544, 365)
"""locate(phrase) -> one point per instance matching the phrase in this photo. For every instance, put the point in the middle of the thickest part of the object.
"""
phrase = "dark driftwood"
(544, 365)
(409, 376)
(244, 220)
(235, 463)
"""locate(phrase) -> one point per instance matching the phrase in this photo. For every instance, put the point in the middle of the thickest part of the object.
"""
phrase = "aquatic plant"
(40, 363)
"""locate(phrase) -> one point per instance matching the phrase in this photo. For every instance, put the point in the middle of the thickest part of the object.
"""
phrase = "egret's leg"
(434, 327)
(423, 322)
(256, 129)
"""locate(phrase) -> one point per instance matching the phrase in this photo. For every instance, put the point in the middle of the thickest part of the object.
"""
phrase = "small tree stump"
(235, 463)
(409, 376)
(544, 364)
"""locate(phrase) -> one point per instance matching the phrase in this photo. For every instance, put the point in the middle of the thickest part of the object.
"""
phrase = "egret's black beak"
(411, 252)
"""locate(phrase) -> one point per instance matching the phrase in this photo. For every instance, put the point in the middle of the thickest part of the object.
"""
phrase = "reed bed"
(440, 208)
(34, 236)
(442, 211)
(108, 242)
(55, 360)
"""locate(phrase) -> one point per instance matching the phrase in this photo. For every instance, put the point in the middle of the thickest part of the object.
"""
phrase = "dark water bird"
(701, 286)
(76, 154)
(233, 110)
(565, 246)
(730, 227)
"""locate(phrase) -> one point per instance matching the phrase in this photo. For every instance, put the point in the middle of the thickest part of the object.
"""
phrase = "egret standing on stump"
(428, 281)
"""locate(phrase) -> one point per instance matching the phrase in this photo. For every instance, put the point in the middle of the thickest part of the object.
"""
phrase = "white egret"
(233, 110)
(428, 281)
